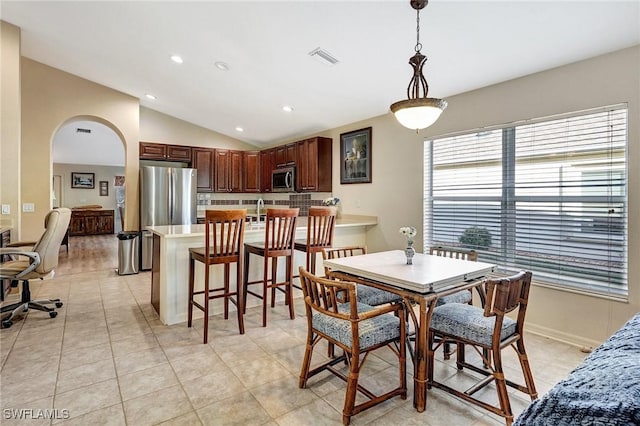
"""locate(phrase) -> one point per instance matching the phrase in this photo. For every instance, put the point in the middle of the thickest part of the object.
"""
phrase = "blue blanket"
(603, 390)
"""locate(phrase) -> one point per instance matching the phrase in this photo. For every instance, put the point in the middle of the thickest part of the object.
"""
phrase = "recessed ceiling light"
(177, 59)
(150, 96)
(239, 129)
(222, 66)
(287, 108)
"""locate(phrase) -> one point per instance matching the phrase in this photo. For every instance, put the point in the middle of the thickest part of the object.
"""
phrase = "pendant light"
(418, 111)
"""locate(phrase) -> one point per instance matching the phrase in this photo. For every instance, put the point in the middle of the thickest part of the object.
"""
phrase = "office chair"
(35, 262)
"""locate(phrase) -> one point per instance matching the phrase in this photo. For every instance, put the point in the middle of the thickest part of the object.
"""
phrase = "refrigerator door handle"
(172, 196)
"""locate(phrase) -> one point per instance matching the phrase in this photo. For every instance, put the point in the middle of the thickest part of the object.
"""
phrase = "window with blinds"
(546, 195)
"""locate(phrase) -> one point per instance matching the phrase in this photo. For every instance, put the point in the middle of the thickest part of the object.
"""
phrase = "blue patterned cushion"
(373, 331)
(463, 296)
(374, 296)
(469, 322)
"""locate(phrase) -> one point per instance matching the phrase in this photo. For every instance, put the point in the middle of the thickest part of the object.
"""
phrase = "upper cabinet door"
(235, 171)
(223, 168)
(267, 164)
(314, 165)
(251, 167)
(179, 153)
(153, 151)
(203, 162)
(160, 151)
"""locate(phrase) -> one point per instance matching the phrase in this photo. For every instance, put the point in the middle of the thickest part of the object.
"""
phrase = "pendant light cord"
(418, 44)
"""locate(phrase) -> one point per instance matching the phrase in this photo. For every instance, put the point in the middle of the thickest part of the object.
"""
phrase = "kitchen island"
(170, 267)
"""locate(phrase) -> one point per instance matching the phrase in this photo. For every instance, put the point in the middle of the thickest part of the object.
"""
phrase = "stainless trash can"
(128, 253)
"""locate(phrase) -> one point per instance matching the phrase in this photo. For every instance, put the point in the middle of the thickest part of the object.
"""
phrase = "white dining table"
(421, 284)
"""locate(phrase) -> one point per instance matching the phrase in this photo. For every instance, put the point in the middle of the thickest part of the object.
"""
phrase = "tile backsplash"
(249, 201)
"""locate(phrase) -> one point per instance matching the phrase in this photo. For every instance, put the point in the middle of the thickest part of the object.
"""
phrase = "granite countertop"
(177, 231)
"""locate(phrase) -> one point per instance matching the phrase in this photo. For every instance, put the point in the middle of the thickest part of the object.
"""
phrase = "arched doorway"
(91, 149)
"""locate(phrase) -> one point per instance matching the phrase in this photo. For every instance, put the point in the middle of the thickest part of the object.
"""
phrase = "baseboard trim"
(571, 339)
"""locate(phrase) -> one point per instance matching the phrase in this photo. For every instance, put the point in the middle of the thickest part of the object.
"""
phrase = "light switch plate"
(6, 209)
(28, 207)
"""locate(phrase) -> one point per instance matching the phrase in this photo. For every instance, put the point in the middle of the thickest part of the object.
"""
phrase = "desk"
(422, 283)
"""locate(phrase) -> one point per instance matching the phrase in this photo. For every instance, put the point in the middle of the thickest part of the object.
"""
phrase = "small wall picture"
(83, 180)
(104, 188)
(355, 156)
(118, 181)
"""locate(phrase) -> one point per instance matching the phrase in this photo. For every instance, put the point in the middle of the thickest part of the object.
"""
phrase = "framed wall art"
(355, 156)
(83, 180)
(104, 188)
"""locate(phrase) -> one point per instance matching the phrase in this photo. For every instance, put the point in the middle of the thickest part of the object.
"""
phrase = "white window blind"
(548, 196)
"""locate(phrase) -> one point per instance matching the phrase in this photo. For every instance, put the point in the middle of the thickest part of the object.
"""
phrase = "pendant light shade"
(418, 111)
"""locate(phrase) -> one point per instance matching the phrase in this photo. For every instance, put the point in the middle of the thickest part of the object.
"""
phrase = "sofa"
(603, 390)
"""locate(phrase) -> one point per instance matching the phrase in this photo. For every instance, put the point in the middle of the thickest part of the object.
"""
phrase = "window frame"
(508, 200)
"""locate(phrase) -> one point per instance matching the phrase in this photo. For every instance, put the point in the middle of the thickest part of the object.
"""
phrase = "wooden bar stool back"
(321, 223)
(280, 231)
(224, 236)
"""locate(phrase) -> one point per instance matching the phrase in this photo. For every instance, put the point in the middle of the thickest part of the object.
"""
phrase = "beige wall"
(10, 125)
(395, 194)
(158, 127)
(50, 98)
(74, 197)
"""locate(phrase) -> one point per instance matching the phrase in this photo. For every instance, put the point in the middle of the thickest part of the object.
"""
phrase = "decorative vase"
(409, 251)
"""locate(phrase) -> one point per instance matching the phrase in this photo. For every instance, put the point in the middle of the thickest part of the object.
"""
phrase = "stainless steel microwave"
(283, 179)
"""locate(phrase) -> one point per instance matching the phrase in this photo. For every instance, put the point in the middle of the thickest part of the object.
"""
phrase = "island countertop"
(170, 266)
(182, 231)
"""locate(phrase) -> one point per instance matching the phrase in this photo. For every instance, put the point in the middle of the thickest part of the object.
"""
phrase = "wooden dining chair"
(490, 330)
(464, 296)
(357, 329)
(224, 235)
(365, 294)
(280, 230)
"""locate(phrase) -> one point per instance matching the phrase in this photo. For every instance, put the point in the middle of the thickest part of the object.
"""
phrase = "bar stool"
(320, 226)
(280, 230)
(224, 235)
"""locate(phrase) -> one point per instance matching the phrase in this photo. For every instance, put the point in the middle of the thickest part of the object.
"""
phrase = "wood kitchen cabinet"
(267, 164)
(251, 179)
(91, 222)
(286, 154)
(313, 165)
(228, 170)
(160, 151)
(203, 162)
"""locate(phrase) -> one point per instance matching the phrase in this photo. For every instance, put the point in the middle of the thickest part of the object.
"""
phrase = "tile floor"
(107, 359)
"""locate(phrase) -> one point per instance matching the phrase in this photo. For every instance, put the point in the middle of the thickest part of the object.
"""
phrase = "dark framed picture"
(104, 188)
(355, 156)
(83, 180)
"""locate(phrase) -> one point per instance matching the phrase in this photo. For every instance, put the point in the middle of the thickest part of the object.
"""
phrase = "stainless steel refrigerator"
(167, 197)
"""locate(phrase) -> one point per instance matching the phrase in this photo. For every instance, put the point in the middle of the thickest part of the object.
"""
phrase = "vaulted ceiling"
(265, 44)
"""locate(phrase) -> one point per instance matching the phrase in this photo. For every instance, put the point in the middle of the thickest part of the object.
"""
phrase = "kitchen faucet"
(259, 205)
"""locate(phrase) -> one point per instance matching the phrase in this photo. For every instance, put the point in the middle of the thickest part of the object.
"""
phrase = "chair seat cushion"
(469, 322)
(374, 296)
(371, 332)
(463, 296)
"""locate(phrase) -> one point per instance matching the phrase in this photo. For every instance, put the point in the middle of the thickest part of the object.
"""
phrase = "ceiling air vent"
(323, 56)
(81, 130)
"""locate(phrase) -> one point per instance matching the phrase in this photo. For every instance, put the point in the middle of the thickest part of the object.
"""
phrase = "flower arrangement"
(331, 201)
(408, 231)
